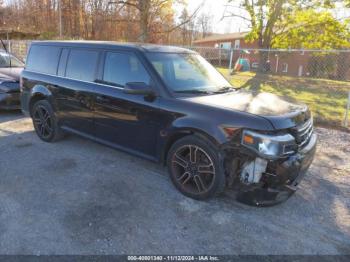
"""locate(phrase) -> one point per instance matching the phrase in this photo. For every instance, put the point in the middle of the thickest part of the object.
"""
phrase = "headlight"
(269, 146)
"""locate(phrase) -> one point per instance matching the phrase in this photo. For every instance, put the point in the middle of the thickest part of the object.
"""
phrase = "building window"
(255, 65)
(285, 68)
(225, 45)
(237, 43)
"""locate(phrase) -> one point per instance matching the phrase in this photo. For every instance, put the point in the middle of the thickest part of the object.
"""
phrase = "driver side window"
(121, 68)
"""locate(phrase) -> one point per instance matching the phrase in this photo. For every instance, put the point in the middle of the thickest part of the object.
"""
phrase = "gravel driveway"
(79, 197)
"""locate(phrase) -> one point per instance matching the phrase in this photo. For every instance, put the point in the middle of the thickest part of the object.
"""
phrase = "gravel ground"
(78, 197)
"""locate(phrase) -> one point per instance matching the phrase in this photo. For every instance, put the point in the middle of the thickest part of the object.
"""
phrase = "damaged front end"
(266, 168)
(9, 95)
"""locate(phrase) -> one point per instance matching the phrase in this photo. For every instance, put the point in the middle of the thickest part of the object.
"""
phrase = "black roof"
(110, 45)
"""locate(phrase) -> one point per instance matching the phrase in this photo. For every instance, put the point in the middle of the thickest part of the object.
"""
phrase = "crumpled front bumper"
(281, 178)
(10, 101)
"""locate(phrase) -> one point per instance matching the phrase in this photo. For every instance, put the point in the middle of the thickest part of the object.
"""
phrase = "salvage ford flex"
(170, 105)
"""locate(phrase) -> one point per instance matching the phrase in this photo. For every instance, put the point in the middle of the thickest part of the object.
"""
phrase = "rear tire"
(195, 167)
(45, 122)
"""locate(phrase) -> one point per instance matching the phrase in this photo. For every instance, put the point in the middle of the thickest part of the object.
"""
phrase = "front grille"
(303, 133)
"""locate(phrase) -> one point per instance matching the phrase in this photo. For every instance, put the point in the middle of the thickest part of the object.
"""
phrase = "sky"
(217, 8)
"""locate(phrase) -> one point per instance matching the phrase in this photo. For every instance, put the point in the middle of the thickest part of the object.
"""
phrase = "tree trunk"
(144, 8)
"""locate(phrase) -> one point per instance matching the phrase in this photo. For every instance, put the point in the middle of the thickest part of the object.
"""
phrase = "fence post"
(230, 65)
(346, 120)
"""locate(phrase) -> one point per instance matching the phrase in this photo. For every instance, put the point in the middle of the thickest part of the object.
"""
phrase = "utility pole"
(60, 18)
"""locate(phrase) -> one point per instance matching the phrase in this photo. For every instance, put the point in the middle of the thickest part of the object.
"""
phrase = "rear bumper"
(10, 101)
(281, 178)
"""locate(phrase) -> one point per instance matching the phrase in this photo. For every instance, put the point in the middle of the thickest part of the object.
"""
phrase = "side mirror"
(138, 88)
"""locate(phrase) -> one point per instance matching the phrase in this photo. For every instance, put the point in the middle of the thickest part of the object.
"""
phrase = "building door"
(300, 70)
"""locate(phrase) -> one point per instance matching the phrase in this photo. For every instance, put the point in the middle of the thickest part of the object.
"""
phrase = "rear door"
(78, 68)
(125, 120)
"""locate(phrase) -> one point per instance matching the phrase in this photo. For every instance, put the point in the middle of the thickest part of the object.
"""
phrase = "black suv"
(170, 105)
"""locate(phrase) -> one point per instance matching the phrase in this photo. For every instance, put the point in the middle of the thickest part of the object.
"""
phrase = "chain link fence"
(319, 78)
(17, 47)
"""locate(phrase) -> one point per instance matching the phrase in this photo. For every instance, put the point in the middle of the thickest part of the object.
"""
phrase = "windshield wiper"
(193, 91)
(224, 89)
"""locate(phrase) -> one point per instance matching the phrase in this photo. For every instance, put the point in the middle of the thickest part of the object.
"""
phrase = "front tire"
(45, 122)
(195, 167)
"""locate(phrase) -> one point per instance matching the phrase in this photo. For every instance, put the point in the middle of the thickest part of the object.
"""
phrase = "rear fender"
(40, 92)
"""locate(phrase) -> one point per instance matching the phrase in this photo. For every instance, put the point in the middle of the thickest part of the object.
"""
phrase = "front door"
(125, 120)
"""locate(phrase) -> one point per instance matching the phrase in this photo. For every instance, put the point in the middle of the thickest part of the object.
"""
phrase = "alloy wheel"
(194, 169)
(43, 122)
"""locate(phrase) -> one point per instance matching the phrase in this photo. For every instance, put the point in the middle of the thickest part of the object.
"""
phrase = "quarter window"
(122, 68)
(63, 62)
(82, 65)
(43, 59)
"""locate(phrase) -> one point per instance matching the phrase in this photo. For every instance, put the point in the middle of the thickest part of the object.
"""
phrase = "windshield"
(188, 73)
(8, 60)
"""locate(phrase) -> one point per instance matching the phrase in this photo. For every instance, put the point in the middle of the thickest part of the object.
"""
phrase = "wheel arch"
(181, 133)
(38, 93)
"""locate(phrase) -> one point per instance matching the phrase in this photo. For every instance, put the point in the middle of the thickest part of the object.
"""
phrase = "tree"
(156, 13)
(270, 18)
(312, 29)
(185, 32)
(2, 13)
(204, 22)
(149, 11)
(290, 23)
(122, 20)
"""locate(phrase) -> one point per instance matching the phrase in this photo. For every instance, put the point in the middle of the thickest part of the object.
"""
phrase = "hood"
(280, 112)
(10, 73)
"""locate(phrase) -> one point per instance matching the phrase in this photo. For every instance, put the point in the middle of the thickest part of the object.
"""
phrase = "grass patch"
(327, 99)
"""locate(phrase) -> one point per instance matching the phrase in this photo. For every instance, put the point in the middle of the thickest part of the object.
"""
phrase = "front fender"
(185, 126)
(213, 132)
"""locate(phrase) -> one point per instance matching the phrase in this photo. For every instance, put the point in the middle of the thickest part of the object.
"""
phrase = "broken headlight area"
(269, 146)
(266, 169)
(263, 182)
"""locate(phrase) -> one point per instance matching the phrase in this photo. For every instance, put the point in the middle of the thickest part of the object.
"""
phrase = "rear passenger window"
(43, 59)
(82, 64)
(121, 68)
